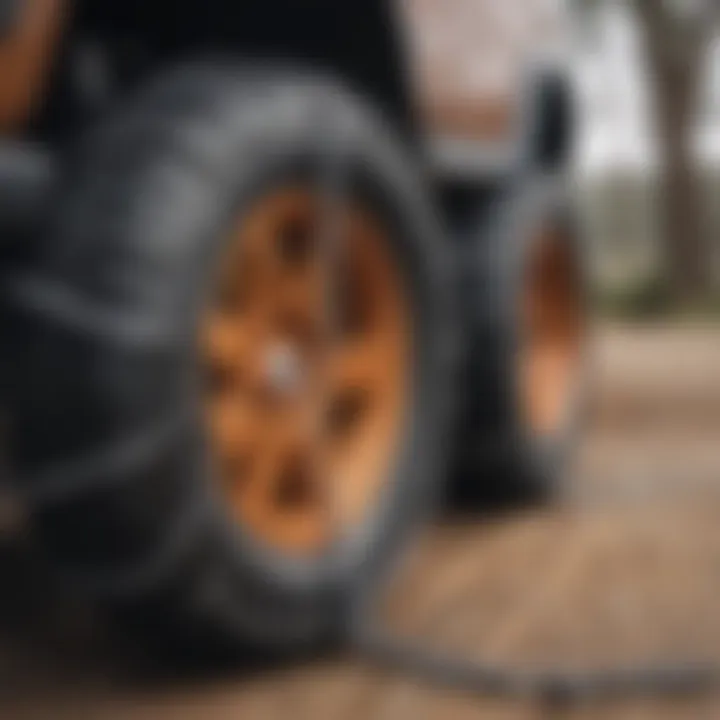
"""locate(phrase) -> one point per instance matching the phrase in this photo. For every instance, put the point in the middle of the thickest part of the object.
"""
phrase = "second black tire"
(517, 431)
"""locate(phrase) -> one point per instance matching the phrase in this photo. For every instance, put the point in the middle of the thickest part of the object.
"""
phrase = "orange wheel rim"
(304, 418)
(552, 333)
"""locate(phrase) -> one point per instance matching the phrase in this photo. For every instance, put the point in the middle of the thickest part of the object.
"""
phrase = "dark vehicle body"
(133, 135)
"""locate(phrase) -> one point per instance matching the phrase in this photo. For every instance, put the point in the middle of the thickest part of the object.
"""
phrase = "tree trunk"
(682, 238)
(674, 55)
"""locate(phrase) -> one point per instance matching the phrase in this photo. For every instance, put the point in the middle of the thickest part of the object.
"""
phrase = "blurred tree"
(676, 36)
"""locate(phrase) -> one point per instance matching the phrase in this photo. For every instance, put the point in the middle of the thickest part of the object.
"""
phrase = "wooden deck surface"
(625, 568)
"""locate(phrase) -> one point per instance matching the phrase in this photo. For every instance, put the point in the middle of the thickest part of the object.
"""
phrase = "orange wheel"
(552, 337)
(307, 348)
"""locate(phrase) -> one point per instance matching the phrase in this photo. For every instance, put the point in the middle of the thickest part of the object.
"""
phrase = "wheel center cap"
(284, 371)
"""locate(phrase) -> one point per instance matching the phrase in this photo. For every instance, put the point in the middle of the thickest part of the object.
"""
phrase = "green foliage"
(651, 299)
(642, 299)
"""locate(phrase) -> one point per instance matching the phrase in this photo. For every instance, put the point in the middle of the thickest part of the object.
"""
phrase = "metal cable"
(380, 646)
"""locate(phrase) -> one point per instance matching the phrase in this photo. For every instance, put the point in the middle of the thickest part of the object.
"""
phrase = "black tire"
(500, 460)
(108, 442)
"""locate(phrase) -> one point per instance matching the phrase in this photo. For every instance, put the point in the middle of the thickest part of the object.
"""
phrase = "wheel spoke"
(261, 274)
(357, 365)
(299, 308)
(286, 494)
(232, 423)
(227, 340)
(545, 372)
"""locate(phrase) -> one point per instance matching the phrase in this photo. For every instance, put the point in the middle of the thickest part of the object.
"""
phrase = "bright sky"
(616, 109)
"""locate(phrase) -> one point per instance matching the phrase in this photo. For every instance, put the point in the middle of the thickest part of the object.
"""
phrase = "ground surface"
(626, 567)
